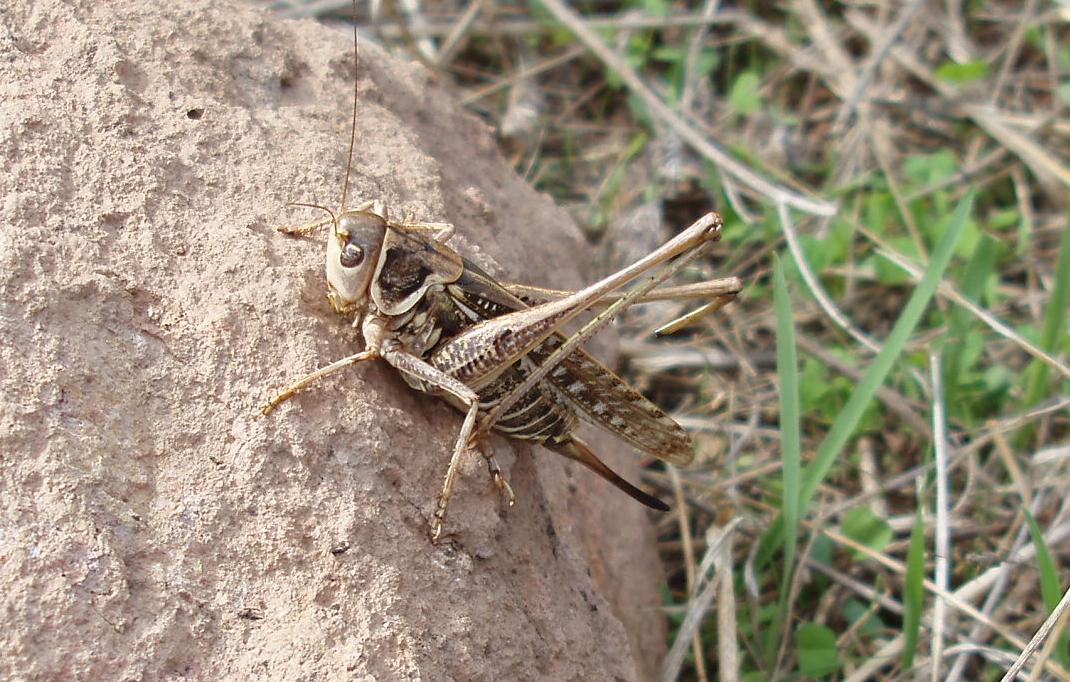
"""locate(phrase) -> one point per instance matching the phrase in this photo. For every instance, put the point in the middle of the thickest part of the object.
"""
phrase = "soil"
(150, 528)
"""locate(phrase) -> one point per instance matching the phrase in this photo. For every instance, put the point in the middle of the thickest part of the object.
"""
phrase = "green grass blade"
(790, 441)
(1054, 325)
(860, 398)
(961, 324)
(908, 320)
(914, 591)
(1050, 589)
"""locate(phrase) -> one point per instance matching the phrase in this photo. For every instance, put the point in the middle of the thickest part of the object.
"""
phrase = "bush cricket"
(495, 351)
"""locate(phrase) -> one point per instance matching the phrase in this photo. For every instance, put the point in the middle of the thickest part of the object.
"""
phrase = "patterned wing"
(608, 401)
(602, 398)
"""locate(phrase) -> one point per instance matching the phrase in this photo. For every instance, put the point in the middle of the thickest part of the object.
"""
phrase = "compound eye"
(351, 256)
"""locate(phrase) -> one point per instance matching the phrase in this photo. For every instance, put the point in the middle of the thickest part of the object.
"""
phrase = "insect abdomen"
(537, 416)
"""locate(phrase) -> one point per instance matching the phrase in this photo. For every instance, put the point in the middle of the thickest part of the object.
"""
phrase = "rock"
(150, 527)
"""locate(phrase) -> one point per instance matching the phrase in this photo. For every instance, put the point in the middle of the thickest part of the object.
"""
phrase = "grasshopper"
(495, 351)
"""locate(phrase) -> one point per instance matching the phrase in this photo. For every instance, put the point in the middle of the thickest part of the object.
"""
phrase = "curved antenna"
(353, 122)
(311, 227)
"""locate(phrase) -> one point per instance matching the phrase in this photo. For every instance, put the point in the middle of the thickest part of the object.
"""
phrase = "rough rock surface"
(149, 528)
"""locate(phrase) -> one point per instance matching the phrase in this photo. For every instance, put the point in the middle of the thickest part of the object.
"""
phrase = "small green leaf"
(1007, 218)
(862, 620)
(1064, 92)
(823, 551)
(668, 54)
(656, 8)
(817, 650)
(998, 379)
(814, 387)
(708, 61)
(863, 526)
(962, 74)
(744, 96)
(886, 271)
(926, 169)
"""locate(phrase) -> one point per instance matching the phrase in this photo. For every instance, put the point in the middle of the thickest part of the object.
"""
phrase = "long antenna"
(353, 122)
